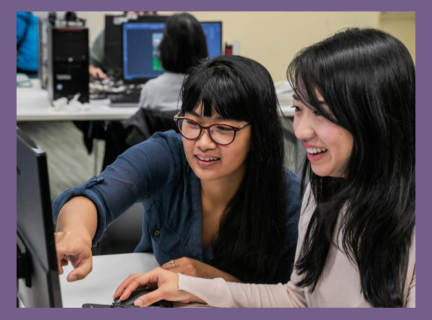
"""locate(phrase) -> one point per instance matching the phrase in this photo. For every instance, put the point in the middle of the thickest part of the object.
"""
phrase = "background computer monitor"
(35, 230)
(141, 48)
(113, 63)
(213, 33)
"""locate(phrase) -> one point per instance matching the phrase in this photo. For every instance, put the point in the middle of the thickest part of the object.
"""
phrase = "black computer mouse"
(129, 302)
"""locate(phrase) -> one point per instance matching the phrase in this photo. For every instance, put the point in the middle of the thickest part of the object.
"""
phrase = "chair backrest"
(143, 124)
(124, 234)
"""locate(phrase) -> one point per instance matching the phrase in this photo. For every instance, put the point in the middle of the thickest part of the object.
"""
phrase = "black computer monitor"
(113, 40)
(141, 51)
(39, 285)
(141, 48)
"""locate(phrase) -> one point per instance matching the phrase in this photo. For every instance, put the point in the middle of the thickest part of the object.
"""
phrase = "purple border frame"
(8, 171)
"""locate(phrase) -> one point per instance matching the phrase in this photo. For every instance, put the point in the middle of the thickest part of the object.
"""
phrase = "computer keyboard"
(125, 99)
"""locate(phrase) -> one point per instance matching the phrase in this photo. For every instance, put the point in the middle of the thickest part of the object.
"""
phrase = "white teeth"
(207, 159)
(315, 150)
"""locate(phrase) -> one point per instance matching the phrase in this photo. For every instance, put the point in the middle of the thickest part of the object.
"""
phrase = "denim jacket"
(157, 174)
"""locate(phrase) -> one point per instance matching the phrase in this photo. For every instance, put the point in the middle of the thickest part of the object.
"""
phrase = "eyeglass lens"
(221, 134)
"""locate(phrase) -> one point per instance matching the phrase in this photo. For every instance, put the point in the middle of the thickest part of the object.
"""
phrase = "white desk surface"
(33, 105)
(107, 274)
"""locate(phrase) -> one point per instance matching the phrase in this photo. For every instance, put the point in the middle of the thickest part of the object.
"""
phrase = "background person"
(182, 47)
(98, 67)
(27, 43)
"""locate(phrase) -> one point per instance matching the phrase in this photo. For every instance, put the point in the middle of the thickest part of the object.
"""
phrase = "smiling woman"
(328, 145)
(358, 102)
(204, 154)
(218, 201)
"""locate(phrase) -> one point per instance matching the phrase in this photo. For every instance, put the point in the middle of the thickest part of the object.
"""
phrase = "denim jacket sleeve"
(136, 175)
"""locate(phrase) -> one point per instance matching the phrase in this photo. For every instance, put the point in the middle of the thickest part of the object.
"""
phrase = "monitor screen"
(35, 229)
(213, 33)
(141, 48)
(113, 63)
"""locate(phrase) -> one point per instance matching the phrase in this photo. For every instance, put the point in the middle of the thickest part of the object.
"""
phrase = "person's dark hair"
(183, 44)
(367, 78)
(252, 231)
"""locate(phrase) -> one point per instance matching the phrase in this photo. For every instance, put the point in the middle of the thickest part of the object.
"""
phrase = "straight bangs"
(220, 91)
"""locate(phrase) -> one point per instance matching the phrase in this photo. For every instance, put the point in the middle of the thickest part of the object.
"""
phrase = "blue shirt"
(28, 52)
(156, 173)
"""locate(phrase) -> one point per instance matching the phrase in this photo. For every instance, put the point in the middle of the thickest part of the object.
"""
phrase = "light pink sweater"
(339, 286)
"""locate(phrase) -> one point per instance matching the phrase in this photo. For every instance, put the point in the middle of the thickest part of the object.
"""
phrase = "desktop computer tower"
(68, 62)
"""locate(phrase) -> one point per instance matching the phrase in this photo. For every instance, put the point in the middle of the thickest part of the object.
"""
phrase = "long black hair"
(367, 79)
(252, 230)
(183, 44)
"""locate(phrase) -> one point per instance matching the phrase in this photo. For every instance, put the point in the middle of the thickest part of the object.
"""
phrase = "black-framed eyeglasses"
(222, 134)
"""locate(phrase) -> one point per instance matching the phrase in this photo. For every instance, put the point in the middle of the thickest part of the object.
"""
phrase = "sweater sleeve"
(222, 294)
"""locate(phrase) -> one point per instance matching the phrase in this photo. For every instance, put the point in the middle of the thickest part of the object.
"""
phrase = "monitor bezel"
(136, 80)
(144, 80)
(49, 268)
(118, 71)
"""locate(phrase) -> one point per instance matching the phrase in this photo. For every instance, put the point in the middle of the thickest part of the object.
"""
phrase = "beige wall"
(95, 21)
(402, 26)
(273, 38)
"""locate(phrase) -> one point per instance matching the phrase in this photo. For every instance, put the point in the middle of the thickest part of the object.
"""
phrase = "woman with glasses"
(355, 115)
(218, 201)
